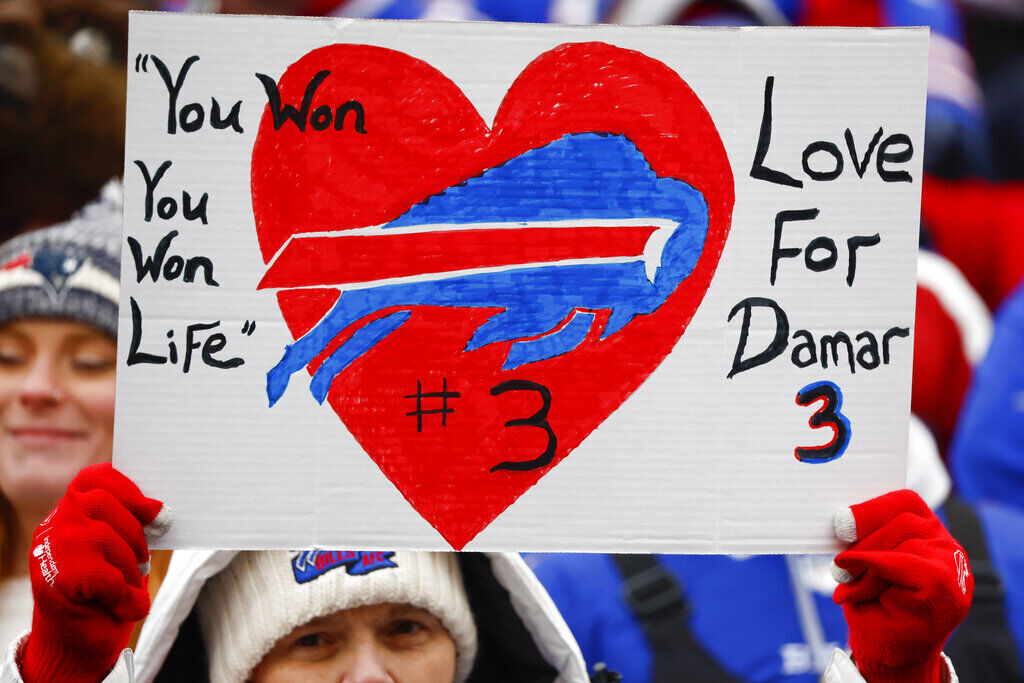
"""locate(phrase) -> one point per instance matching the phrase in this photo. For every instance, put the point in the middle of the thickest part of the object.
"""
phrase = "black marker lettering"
(173, 88)
(288, 112)
(855, 243)
(764, 141)
(862, 166)
(901, 157)
(777, 345)
(777, 251)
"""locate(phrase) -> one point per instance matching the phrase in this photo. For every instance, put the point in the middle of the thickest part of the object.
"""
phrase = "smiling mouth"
(44, 436)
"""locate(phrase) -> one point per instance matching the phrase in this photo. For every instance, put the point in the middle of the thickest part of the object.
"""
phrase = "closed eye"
(93, 364)
(9, 358)
(11, 352)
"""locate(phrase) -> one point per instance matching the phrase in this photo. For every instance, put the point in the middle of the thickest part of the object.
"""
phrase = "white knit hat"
(263, 596)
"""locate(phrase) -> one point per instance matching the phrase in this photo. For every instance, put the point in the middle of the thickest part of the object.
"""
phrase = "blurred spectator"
(62, 106)
(58, 326)
(1002, 9)
(952, 333)
(995, 31)
(988, 448)
(979, 226)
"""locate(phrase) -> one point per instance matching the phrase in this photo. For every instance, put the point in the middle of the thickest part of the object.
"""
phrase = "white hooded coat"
(522, 637)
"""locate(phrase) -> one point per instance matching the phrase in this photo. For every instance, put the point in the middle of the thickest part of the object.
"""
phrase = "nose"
(367, 666)
(41, 386)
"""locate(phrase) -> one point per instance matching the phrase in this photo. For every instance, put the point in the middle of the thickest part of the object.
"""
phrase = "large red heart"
(422, 137)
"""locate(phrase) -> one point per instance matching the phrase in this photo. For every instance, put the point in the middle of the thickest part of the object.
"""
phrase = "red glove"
(904, 587)
(88, 566)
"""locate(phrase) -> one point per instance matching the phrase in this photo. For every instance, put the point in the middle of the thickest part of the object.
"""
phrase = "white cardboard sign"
(515, 287)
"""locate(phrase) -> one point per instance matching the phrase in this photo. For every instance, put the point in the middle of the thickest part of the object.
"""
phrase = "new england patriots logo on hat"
(55, 267)
(550, 237)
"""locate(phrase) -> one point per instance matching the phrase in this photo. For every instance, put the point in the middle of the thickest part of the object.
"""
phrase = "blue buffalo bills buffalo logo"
(551, 237)
(311, 564)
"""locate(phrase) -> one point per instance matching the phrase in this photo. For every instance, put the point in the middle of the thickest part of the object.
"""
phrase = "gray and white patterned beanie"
(68, 271)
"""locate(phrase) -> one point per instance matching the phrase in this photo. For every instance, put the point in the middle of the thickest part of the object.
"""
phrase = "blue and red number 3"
(828, 415)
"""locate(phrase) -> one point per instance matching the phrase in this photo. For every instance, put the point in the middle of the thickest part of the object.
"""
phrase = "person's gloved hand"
(904, 585)
(89, 565)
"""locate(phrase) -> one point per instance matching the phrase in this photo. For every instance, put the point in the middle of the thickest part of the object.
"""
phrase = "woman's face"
(385, 643)
(56, 407)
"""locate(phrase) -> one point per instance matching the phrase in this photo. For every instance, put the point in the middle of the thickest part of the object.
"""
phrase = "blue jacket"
(987, 451)
(744, 612)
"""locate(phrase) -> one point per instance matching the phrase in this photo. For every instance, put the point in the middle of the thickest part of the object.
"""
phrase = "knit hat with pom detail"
(68, 271)
(263, 596)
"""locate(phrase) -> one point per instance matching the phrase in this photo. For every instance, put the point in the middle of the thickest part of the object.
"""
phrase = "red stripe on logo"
(17, 262)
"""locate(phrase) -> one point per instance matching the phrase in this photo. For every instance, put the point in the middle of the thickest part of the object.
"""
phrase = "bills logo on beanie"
(309, 564)
(262, 596)
(68, 271)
